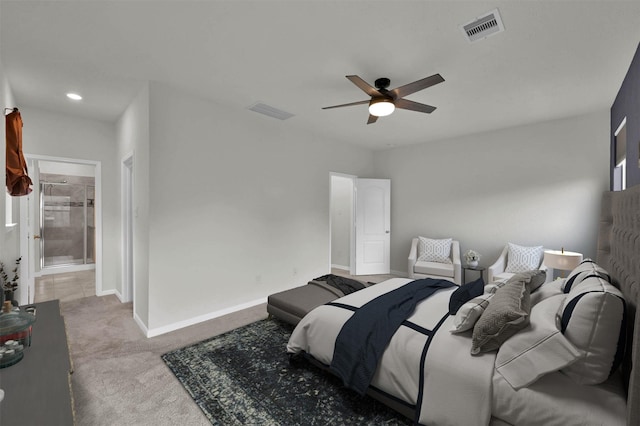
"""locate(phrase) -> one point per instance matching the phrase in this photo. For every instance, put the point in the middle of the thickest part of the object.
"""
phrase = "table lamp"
(561, 259)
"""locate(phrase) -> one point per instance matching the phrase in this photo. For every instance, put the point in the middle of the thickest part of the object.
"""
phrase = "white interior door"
(373, 226)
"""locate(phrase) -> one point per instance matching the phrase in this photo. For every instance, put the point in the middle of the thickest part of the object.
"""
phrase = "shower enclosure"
(67, 221)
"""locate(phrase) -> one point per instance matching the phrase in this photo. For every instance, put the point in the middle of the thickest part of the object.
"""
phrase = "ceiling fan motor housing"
(382, 83)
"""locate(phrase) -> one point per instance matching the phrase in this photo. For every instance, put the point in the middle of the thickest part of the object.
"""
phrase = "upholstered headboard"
(619, 254)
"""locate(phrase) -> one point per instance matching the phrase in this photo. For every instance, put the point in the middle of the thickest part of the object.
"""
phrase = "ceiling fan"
(383, 102)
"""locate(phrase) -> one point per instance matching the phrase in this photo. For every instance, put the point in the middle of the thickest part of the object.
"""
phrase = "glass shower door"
(64, 224)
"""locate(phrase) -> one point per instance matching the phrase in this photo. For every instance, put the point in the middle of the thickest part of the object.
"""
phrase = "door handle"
(36, 237)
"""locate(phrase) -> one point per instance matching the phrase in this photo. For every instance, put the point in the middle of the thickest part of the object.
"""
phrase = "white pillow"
(469, 313)
(591, 317)
(434, 250)
(538, 349)
(585, 269)
(521, 258)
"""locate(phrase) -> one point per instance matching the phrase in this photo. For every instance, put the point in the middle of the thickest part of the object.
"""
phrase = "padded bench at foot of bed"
(292, 305)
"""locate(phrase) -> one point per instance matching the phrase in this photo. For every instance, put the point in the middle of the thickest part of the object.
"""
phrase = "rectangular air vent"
(270, 111)
(483, 26)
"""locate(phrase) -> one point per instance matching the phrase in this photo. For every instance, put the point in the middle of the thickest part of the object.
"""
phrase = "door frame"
(127, 228)
(26, 241)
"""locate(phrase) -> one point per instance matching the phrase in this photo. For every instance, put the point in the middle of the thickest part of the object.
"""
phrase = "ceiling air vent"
(270, 111)
(483, 26)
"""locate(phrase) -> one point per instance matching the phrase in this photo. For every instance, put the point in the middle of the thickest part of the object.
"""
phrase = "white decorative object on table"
(472, 257)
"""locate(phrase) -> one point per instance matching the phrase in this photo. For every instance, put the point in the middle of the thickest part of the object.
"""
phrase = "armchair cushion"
(521, 258)
(430, 250)
(433, 268)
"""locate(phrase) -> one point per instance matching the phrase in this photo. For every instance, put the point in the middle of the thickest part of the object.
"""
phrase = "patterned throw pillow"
(507, 313)
(434, 250)
(521, 258)
(469, 313)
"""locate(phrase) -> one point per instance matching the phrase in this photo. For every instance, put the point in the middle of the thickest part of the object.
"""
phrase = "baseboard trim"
(119, 296)
(402, 274)
(108, 292)
(196, 320)
(63, 269)
(344, 268)
(141, 324)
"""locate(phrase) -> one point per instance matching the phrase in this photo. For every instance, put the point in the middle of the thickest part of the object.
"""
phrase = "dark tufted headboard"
(619, 254)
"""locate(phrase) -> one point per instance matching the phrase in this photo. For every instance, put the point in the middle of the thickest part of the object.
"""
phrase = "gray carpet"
(244, 377)
(119, 377)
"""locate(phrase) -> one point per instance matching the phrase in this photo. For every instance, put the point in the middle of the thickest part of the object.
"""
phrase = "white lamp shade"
(561, 259)
(381, 107)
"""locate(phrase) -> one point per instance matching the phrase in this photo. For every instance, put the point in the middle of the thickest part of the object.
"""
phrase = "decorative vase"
(472, 264)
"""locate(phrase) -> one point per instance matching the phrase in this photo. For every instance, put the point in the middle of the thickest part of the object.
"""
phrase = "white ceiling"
(555, 59)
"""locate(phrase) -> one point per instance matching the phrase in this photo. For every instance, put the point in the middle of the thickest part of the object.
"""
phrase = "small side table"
(479, 269)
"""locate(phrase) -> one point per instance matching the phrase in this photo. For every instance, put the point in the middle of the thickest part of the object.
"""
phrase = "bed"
(579, 372)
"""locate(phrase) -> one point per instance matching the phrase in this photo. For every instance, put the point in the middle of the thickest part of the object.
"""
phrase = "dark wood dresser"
(38, 388)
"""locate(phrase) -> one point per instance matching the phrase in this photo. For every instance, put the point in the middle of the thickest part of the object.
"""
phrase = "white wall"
(133, 138)
(238, 205)
(59, 135)
(9, 249)
(341, 220)
(531, 185)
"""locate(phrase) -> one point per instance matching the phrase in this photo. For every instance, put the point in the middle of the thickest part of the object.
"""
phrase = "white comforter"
(455, 388)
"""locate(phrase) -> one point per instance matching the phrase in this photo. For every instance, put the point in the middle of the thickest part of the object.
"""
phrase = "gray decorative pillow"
(507, 313)
(533, 279)
(434, 250)
(521, 258)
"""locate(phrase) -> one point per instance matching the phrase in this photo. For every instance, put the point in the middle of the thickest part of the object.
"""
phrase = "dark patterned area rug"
(244, 377)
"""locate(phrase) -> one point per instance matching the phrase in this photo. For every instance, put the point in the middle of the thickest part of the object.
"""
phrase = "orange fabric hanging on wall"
(18, 180)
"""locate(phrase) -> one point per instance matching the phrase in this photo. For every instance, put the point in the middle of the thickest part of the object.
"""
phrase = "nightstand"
(479, 269)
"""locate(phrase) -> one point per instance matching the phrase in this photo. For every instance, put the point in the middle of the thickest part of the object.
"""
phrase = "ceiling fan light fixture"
(381, 107)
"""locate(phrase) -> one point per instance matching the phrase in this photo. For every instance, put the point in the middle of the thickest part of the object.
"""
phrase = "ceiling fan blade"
(372, 119)
(350, 104)
(414, 106)
(407, 89)
(364, 86)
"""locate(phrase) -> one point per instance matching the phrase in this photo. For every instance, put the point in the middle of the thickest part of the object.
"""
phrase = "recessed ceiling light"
(74, 96)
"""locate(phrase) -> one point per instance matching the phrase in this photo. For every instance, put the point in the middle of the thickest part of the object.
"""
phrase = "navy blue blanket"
(365, 336)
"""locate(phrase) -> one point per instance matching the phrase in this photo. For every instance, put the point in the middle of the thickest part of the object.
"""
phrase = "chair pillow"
(434, 250)
(521, 258)
(507, 313)
(469, 313)
(592, 319)
(464, 293)
(538, 349)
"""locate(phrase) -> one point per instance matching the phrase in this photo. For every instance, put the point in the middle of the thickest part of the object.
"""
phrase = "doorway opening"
(62, 234)
(127, 230)
(620, 168)
(359, 223)
(341, 222)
